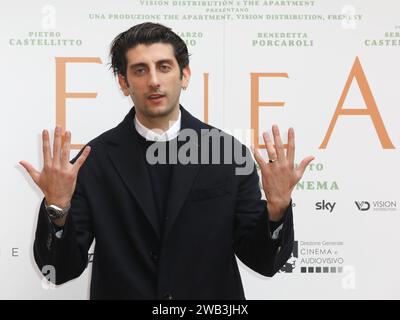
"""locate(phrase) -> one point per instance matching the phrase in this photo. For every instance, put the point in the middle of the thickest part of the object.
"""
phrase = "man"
(163, 230)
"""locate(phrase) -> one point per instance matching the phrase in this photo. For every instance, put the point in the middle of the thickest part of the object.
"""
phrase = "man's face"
(153, 79)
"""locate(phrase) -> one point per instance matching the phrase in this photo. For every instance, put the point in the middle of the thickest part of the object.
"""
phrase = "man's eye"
(139, 71)
(165, 68)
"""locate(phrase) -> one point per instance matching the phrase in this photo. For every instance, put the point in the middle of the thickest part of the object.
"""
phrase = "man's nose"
(154, 81)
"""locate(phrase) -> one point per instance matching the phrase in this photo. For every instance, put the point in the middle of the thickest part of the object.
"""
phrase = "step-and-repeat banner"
(330, 69)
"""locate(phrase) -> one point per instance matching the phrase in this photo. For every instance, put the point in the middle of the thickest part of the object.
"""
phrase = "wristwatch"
(55, 212)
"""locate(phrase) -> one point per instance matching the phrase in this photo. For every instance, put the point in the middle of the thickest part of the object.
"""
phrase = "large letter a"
(371, 107)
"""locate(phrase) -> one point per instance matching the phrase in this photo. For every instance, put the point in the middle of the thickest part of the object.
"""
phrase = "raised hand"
(57, 180)
(279, 174)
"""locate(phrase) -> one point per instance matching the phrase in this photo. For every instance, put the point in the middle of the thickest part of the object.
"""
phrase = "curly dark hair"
(146, 33)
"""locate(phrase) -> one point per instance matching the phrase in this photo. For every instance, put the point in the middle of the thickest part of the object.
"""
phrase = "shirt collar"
(152, 135)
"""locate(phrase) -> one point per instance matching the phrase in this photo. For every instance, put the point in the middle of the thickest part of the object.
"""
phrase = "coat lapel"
(182, 177)
(128, 159)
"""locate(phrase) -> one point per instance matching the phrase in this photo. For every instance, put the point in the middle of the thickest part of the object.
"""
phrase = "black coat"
(212, 214)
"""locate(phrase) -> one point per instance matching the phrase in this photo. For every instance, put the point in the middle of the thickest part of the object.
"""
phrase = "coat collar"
(125, 155)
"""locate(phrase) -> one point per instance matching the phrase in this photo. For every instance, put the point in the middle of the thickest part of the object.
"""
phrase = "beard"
(158, 111)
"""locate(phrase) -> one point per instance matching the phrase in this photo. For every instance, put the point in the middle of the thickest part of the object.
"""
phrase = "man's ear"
(186, 76)
(123, 84)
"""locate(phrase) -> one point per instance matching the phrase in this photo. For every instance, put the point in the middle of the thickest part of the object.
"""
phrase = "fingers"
(31, 170)
(82, 158)
(57, 147)
(46, 148)
(303, 165)
(257, 156)
(291, 147)
(280, 150)
(65, 153)
(270, 147)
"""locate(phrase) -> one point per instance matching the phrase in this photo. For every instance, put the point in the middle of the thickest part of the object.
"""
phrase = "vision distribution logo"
(377, 205)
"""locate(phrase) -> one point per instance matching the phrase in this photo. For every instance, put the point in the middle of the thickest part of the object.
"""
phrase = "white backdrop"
(346, 208)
